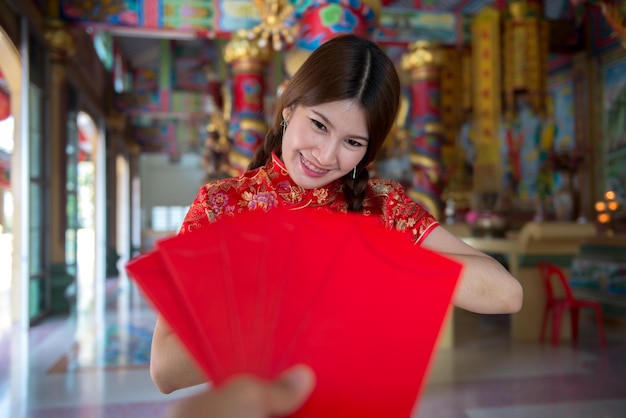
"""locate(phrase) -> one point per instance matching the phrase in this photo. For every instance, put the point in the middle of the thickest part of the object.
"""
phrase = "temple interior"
(511, 131)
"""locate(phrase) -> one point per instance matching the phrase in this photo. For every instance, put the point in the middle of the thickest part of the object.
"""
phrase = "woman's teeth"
(312, 167)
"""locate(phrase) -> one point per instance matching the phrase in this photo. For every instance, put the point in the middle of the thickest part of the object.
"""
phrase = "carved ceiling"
(173, 46)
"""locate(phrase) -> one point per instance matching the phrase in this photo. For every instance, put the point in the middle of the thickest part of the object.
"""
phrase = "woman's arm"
(171, 367)
(485, 285)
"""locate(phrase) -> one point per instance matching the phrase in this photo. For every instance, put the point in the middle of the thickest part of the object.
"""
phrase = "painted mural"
(211, 17)
(405, 26)
(527, 142)
(553, 9)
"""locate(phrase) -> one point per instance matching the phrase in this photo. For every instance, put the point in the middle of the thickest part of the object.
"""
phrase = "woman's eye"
(354, 143)
(319, 125)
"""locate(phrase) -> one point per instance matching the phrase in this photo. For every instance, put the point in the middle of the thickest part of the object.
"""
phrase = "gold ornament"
(241, 49)
(273, 29)
(59, 39)
(422, 54)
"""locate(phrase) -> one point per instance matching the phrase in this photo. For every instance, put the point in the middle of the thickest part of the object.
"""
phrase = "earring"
(354, 173)
(284, 124)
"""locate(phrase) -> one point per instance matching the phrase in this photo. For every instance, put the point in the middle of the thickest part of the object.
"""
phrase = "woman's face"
(323, 142)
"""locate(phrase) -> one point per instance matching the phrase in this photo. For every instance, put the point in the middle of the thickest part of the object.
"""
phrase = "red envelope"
(150, 274)
(226, 290)
(358, 303)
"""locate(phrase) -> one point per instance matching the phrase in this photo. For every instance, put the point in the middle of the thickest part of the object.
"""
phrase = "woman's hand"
(250, 397)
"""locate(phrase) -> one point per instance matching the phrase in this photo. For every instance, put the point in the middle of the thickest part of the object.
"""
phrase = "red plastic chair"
(557, 305)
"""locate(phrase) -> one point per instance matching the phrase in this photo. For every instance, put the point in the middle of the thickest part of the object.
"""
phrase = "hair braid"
(354, 190)
(264, 152)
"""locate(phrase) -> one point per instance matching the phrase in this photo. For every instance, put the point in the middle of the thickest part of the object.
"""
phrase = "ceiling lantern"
(5, 98)
(525, 57)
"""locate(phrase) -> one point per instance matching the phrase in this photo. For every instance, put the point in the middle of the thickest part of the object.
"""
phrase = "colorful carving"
(403, 25)
(114, 11)
(202, 17)
(320, 20)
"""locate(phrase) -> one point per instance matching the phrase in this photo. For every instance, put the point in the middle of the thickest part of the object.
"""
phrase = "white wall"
(164, 183)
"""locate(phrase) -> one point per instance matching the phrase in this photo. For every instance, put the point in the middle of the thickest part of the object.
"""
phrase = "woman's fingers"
(249, 397)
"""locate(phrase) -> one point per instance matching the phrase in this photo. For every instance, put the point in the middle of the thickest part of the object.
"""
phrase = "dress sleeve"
(408, 216)
(198, 213)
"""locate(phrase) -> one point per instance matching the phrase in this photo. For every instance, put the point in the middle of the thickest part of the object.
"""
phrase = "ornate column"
(525, 53)
(61, 46)
(424, 62)
(487, 104)
(457, 182)
(247, 122)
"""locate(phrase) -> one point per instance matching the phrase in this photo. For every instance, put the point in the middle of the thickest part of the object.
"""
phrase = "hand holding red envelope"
(260, 292)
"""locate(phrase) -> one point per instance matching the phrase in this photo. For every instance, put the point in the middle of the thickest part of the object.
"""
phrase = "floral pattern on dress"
(397, 210)
(270, 187)
(261, 200)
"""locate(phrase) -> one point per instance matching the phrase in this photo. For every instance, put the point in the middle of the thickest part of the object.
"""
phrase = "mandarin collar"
(292, 193)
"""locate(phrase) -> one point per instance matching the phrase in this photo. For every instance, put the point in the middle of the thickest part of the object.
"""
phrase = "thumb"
(290, 390)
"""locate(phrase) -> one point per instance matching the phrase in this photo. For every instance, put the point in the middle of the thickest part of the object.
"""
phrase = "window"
(168, 218)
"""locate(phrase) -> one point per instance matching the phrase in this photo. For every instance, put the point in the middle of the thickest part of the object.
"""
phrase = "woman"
(332, 119)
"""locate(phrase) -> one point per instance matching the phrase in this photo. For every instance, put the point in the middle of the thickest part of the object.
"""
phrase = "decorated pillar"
(60, 46)
(525, 52)
(424, 62)
(487, 104)
(247, 123)
(457, 191)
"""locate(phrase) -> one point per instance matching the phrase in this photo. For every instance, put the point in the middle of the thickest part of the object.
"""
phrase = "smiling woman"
(330, 122)
(323, 143)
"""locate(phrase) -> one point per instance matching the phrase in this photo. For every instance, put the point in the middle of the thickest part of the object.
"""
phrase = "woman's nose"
(326, 153)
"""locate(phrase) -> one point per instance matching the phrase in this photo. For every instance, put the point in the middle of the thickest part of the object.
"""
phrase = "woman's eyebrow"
(328, 122)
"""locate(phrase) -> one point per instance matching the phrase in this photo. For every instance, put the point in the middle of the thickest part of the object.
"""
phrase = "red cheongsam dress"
(271, 187)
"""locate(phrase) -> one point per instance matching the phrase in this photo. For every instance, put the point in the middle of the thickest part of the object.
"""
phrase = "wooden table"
(545, 241)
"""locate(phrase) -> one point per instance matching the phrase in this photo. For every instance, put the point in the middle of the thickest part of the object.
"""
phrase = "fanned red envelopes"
(260, 292)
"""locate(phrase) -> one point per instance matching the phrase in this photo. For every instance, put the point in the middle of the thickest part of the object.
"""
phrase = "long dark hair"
(346, 67)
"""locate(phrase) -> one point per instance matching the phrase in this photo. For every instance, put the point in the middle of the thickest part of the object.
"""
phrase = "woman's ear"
(286, 113)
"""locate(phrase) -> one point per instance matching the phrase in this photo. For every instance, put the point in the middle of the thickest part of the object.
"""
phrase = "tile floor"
(95, 365)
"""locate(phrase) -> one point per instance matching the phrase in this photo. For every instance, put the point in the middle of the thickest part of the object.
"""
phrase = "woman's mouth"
(311, 169)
